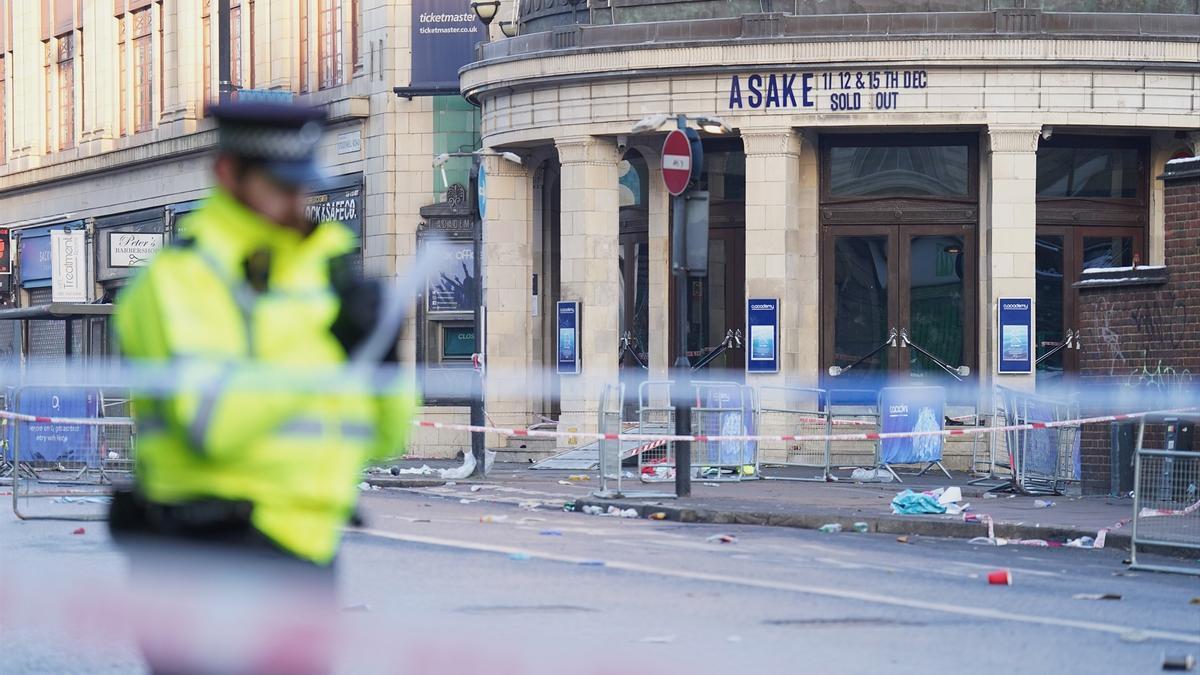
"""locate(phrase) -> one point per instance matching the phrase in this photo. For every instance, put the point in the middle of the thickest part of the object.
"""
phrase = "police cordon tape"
(653, 440)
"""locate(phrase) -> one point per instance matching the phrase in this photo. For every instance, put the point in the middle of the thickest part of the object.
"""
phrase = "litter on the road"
(83, 500)
(593, 510)
(1043, 503)
(578, 477)
(519, 555)
(550, 533)
(1184, 662)
(492, 519)
(861, 527)
(1000, 578)
(911, 503)
(591, 563)
(831, 528)
(903, 539)
(1096, 596)
(657, 515)
(722, 539)
(467, 501)
(79, 531)
(1193, 601)
(990, 495)
(712, 485)
(627, 513)
(1082, 542)
(871, 476)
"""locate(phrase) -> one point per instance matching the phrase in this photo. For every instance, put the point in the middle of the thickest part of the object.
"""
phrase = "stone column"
(781, 247)
(1011, 232)
(589, 271)
(507, 274)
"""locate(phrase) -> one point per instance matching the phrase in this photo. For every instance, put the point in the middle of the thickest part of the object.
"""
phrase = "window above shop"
(1088, 173)
(899, 171)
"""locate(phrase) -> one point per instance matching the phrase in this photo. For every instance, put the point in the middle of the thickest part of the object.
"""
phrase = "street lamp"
(509, 28)
(680, 268)
(439, 162)
(486, 10)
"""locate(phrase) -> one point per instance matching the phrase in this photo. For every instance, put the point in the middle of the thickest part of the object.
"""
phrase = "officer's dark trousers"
(213, 595)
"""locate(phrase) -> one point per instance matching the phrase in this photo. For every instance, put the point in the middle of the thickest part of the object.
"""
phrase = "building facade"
(892, 167)
(103, 130)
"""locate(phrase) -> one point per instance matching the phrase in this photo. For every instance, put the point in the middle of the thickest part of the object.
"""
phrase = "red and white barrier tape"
(702, 438)
(81, 421)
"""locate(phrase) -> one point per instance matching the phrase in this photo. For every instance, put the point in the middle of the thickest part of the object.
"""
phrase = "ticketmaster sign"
(444, 34)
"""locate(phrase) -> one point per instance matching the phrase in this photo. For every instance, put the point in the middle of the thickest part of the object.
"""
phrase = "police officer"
(234, 461)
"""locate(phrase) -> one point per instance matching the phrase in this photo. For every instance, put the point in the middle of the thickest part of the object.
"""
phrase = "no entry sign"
(676, 162)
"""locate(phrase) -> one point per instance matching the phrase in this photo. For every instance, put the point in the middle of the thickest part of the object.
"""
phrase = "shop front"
(893, 198)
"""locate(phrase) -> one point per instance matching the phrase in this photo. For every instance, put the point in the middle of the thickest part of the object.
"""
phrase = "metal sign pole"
(683, 411)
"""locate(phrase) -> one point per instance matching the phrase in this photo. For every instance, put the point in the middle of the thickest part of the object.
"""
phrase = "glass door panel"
(861, 305)
(937, 306)
(1051, 265)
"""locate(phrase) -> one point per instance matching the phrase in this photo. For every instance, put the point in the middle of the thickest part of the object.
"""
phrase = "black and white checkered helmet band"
(271, 144)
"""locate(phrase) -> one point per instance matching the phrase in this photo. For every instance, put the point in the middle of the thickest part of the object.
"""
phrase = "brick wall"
(1141, 329)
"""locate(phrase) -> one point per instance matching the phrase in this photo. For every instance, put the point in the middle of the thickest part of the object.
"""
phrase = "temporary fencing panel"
(722, 409)
(656, 415)
(64, 446)
(1166, 503)
(846, 408)
(793, 411)
(1042, 459)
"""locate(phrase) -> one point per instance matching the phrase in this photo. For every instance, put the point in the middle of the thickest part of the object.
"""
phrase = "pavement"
(801, 504)
(504, 585)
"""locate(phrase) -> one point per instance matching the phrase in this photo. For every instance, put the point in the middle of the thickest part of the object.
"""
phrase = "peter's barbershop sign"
(834, 91)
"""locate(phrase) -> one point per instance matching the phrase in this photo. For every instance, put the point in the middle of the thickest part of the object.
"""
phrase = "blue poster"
(444, 34)
(568, 337)
(46, 442)
(908, 409)
(1015, 335)
(762, 324)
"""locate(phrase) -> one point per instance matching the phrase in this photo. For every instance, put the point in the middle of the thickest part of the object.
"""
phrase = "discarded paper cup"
(1184, 662)
(1000, 578)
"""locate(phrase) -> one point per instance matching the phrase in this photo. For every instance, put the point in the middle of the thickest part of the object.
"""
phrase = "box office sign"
(68, 278)
(343, 205)
(132, 249)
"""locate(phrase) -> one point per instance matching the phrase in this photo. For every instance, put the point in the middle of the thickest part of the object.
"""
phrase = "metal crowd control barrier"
(846, 405)
(1166, 501)
(73, 464)
(612, 452)
(723, 408)
(656, 415)
(793, 411)
(1042, 461)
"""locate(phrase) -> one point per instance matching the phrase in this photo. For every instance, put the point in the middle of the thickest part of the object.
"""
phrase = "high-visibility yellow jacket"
(234, 428)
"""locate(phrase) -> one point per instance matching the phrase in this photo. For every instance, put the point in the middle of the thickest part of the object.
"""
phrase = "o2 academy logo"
(771, 91)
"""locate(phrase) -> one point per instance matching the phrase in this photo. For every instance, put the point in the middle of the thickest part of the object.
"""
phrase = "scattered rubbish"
(831, 528)
(593, 510)
(903, 539)
(489, 458)
(658, 639)
(1134, 636)
(591, 563)
(459, 472)
(79, 530)
(477, 488)
(1033, 542)
(872, 476)
(909, 502)
(492, 519)
(1184, 662)
(972, 518)
(1082, 542)
(550, 533)
(364, 607)
(1134, 574)
(568, 506)
(364, 486)
(734, 638)
(467, 501)
(1193, 601)
(990, 495)
(451, 483)
(628, 474)
(657, 515)
(1043, 504)
(712, 485)
(952, 495)
(627, 513)
(113, 455)
(519, 555)
(83, 500)
(985, 541)
(424, 470)
(722, 539)
(861, 527)
(565, 482)
(529, 506)
(1000, 578)
(1096, 596)
(577, 477)
(1101, 536)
